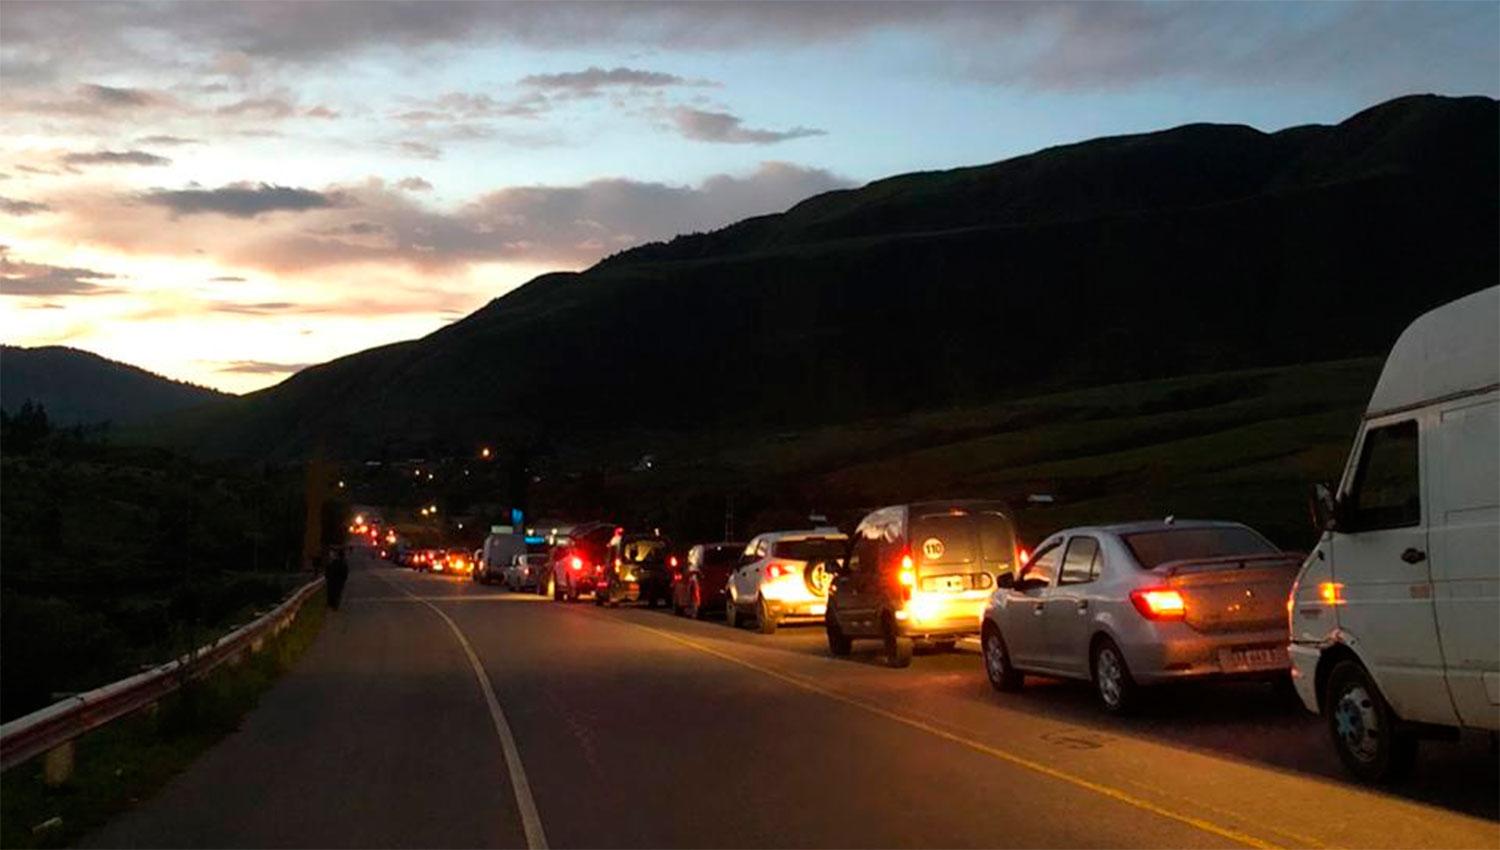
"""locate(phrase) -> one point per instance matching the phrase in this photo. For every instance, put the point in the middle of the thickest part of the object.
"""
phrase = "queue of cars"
(1388, 628)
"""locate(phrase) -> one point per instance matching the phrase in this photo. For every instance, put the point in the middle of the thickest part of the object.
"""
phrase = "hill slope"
(78, 387)
(1201, 248)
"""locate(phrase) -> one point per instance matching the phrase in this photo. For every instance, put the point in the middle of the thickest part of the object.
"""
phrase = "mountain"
(79, 388)
(1196, 249)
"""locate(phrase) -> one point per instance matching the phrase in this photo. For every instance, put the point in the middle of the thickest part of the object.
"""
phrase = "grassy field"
(1237, 445)
(126, 761)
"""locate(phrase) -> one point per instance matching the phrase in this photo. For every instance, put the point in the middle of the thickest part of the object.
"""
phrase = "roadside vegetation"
(126, 761)
(121, 557)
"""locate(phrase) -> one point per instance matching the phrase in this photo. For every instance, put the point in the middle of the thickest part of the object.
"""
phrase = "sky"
(227, 192)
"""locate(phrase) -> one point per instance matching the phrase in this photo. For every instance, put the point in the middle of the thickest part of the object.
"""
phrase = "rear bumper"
(797, 609)
(931, 616)
(1168, 652)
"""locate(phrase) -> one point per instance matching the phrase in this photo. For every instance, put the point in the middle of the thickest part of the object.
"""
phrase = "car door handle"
(1414, 556)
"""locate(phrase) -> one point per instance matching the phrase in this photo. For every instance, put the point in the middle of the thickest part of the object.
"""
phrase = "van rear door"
(1464, 449)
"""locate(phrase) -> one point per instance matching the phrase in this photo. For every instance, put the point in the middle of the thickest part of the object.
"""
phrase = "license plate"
(818, 610)
(1257, 658)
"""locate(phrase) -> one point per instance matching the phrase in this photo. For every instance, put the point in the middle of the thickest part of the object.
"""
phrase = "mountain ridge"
(80, 387)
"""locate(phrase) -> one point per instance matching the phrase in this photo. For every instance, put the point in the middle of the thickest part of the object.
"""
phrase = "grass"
(126, 761)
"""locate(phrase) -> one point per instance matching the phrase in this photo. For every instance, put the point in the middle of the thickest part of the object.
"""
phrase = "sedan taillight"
(1159, 603)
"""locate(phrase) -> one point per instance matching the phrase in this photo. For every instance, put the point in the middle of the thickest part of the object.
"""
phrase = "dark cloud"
(259, 107)
(15, 206)
(114, 158)
(261, 367)
(240, 200)
(722, 127)
(413, 184)
(226, 278)
(167, 141)
(20, 278)
(258, 308)
(114, 96)
(590, 80)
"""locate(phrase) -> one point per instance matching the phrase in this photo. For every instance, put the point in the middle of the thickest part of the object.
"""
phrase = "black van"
(919, 572)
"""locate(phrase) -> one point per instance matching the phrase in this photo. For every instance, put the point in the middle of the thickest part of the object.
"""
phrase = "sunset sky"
(224, 193)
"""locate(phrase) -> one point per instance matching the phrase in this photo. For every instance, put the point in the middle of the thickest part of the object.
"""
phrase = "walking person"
(336, 573)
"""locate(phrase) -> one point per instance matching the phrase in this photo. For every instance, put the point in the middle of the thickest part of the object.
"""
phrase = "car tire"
(1113, 684)
(694, 608)
(1002, 675)
(765, 621)
(838, 643)
(898, 649)
(731, 613)
(1365, 731)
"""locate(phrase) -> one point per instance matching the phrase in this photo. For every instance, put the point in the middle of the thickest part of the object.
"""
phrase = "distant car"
(525, 571)
(638, 568)
(1143, 603)
(578, 567)
(784, 576)
(458, 562)
(920, 572)
(701, 585)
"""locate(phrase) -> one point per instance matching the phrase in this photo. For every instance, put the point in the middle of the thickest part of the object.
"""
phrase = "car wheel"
(838, 643)
(1112, 680)
(898, 649)
(997, 664)
(694, 607)
(731, 613)
(1366, 733)
(765, 621)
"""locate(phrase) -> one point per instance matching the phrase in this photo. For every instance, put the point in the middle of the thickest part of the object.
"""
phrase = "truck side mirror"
(1323, 507)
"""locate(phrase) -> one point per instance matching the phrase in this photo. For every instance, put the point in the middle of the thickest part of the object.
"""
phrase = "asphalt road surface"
(434, 712)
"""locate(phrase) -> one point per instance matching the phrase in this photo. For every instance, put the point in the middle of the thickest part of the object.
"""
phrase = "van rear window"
(1153, 548)
(809, 549)
(967, 538)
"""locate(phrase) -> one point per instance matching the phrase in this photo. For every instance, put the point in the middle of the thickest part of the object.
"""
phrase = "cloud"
(20, 278)
(115, 96)
(92, 100)
(226, 278)
(413, 184)
(321, 112)
(593, 78)
(261, 367)
(270, 108)
(14, 206)
(722, 127)
(114, 158)
(239, 200)
(420, 150)
(380, 225)
(167, 141)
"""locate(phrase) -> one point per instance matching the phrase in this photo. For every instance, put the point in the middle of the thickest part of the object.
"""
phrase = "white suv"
(784, 575)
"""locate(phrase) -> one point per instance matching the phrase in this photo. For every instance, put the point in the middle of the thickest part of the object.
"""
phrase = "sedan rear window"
(809, 549)
(1153, 548)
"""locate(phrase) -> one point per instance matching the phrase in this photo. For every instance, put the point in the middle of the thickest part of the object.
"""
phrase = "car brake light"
(672, 561)
(908, 576)
(1022, 556)
(775, 571)
(1158, 603)
(1331, 592)
(577, 563)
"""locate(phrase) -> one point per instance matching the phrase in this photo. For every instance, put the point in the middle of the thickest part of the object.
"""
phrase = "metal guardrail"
(57, 724)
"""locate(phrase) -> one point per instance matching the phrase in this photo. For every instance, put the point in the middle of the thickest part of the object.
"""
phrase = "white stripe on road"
(531, 822)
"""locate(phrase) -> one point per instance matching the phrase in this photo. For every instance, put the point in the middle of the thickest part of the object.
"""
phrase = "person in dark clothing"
(336, 573)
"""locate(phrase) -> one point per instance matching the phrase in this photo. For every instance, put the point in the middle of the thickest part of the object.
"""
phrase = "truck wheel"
(1112, 680)
(898, 649)
(1003, 677)
(1366, 733)
(838, 643)
(765, 621)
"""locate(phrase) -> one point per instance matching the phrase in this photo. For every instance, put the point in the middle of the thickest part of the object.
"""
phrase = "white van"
(500, 549)
(1395, 617)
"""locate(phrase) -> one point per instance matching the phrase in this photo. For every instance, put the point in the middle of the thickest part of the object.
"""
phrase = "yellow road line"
(994, 752)
(531, 820)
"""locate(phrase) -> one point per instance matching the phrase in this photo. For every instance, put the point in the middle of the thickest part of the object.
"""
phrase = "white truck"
(1394, 615)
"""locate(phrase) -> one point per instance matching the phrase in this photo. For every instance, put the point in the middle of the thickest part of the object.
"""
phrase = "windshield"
(809, 549)
(963, 538)
(1153, 548)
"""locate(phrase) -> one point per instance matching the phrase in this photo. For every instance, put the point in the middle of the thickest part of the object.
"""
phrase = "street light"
(485, 452)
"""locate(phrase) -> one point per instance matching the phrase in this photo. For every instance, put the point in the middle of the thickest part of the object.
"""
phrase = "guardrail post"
(57, 764)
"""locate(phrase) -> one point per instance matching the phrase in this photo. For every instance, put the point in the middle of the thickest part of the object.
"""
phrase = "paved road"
(633, 728)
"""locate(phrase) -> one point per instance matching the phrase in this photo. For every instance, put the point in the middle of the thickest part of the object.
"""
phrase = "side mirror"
(1323, 507)
(1006, 580)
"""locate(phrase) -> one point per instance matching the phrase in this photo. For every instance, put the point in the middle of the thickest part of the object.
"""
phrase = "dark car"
(920, 572)
(698, 588)
(639, 569)
(578, 567)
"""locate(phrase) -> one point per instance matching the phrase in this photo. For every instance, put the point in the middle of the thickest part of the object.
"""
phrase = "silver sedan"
(1142, 603)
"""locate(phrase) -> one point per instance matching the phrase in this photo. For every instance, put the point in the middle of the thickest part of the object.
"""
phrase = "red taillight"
(672, 562)
(775, 571)
(1158, 603)
(576, 563)
(1022, 556)
(908, 576)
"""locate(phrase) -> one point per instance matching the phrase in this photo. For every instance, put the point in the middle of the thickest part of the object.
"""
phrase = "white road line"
(536, 839)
